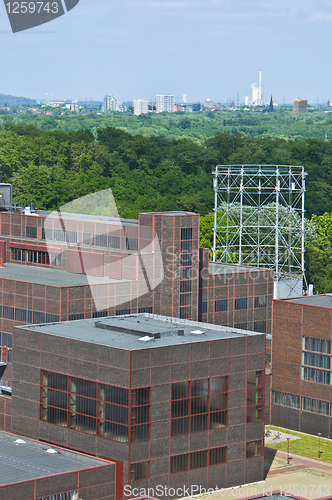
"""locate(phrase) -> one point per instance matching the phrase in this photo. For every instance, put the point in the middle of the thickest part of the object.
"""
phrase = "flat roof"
(314, 300)
(222, 268)
(89, 218)
(49, 276)
(22, 459)
(139, 331)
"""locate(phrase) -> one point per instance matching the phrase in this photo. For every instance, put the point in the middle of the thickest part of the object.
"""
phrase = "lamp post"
(319, 435)
(288, 439)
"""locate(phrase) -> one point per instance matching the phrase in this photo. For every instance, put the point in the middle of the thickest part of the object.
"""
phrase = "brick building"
(173, 402)
(301, 364)
(79, 266)
(37, 471)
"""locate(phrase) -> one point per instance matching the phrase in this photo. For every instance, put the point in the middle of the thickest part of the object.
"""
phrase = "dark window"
(179, 463)
(185, 299)
(317, 345)
(185, 312)
(316, 406)
(316, 360)
(7, 340)
(21, 315)
(186, 233)
(8, 312)
(185, 273)
(31, 232)
(198, 459)
(88, 239)
(241, 303)
(132, 244)
(185, 286)
(101, 240)
(52, 318)
(255, 396)
(260, 326)
(15, 254)
(255, 448)
(38, 317)
(139, 471)
(71, 236)
(186, 246)
(145, 309)
(120, 312)
(73, 317)
(241, 326)
(220, 305)
(114, 241)
(218, 455)
(186, 260)
(286, 399)
(100, 314)
(316, 375)
(260, 301)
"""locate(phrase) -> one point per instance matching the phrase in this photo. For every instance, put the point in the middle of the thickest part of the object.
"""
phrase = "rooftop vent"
(145, 339)
(180, 332)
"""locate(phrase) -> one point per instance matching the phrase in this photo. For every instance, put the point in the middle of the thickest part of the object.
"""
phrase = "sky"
(206, 49)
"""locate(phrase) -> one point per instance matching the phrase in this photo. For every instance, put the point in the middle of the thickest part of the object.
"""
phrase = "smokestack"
(260, 85)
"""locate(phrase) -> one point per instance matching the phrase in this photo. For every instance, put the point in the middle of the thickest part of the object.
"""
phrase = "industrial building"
(83, 266)
(300, 105)
(38, 471)
(171, 401)
(301, 364)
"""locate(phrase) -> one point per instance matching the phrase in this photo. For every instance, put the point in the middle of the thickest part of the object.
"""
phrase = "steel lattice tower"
(259, 217)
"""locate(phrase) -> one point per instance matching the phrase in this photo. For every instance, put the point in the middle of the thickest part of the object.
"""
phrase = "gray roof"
(22, 459)
(139, 331)
(314, 300)
(91, 218)
(48, 276)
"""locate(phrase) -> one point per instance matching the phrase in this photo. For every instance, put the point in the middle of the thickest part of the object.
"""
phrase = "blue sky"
(203, 48)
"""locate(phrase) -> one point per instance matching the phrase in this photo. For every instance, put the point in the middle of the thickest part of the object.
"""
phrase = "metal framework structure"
(259, 217)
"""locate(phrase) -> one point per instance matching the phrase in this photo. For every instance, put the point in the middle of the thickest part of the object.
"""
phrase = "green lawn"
(306, 446)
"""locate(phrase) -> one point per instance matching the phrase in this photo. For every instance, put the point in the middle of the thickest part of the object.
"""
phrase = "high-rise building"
(165, 102)
(300, 105)
(208, 103)
(140, 106)
(111, 104)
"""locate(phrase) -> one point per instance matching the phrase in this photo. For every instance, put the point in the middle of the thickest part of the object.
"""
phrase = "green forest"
(153, 173)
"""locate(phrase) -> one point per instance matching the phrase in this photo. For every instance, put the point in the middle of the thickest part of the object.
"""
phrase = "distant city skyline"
(211, 49)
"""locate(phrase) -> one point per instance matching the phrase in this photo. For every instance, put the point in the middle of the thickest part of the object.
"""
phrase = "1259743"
(32, 7)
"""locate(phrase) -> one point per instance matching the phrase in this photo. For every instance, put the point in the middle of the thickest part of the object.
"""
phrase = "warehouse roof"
(314, 300)
(23, 459)
(221, 268)
(49, 276)
(139, 331)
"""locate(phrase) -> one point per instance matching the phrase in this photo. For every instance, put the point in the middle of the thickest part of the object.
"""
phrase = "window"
(241, 326)
(132, 244)
(59, 235)
(186, 233)
(15, 254)
(185, 312)
(316, 360)
(255, 448)
(145, 310)
(21, 315)
(120, 312)
(52, 318)
(69, 495)
(8, 312)
(179, 463)
(185, 286)
(241, 303)
(199, 405)
(73, 317)
(139, 471)
(260, 326)
(71, 236)
(95, 408)
(88, 239)
(255, 396)
(186, 246)
(185, 299)
(218, 455)
(198, 459)
(260, 301)
(220, 305)
(99, 314)
(185, 273)
(286, 399)
(35, 257)
(114, 241)
(186, 260)
(101, 240)
(31, 232)
(203, 307)
(316, 406)
(38, 317)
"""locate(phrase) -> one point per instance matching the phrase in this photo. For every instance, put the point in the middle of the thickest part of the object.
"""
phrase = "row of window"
(196, 459)
(239, 303)
(255, 396)
(300, 402)
(95, 408)
(27, 316)
(118, 312)
(69, 495)
(91, 239)
(35, 257)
